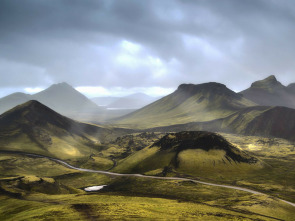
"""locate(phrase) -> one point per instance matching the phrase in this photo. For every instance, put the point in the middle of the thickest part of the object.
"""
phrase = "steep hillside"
(270, 92)
(259, 121)
(33, 127)
(275, 122)
(189, 103)
(189, 152)
(262, 121)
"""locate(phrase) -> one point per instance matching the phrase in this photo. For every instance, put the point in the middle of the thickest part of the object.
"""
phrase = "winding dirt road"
(140, 175)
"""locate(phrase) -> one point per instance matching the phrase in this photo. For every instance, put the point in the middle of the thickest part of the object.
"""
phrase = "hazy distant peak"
(19, 94)
(291, 88)
(61, 85)
(16, 95)
(57, 90)
(138, 96)
(268, 83)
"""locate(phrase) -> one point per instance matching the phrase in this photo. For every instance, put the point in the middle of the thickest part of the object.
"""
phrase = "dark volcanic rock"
(202, 140)
(212, 87)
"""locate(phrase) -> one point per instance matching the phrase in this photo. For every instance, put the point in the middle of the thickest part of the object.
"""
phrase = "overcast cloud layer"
(122, 46)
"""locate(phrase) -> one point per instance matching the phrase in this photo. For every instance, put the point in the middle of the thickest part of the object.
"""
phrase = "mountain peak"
(61, 85)
(65, 99)
(268, 83)
(31, 105)
(209, 85)
(271, 78)
(212, 88)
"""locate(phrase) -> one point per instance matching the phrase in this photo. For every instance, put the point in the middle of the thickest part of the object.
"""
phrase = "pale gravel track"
(142, 176)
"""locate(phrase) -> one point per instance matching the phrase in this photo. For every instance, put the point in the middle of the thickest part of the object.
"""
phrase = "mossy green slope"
(189, 103)
(258, 121)
(191, 153)
(29, 193)
(32, 127)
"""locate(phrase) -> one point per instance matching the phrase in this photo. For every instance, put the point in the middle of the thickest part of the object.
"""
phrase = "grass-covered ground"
(38, 189)
(274, 173)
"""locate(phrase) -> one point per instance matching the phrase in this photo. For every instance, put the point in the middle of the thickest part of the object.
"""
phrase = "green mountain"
(259, 121)
(189, 103)
(270, 92)
(189, 152)
(33, 127)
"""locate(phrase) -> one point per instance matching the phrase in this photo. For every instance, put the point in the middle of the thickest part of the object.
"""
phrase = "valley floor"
(41, 189)
(28, 195)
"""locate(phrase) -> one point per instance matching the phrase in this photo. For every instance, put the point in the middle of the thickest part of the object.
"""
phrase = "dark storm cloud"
(145, 43)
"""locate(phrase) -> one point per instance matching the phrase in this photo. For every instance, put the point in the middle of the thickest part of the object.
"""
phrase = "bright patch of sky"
(201, 45)
(33, 90)
(135, 56)
(120, 92)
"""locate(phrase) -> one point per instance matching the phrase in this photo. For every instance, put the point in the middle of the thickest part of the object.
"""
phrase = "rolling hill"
(189, 152)
(33, 127)
(189, 103)
(270, 92)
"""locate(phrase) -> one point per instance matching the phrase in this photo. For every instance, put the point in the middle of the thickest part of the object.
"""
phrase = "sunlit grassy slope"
(191, 153)
(34, 128)
(37, 189)
(259, 120)
(189, 103)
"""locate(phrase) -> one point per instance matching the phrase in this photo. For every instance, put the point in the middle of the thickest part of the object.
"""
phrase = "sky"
(119, 47)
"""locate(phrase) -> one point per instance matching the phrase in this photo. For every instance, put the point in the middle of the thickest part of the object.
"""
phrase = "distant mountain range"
(211, 106)
(61, 97)
(270, 92)
(32, 127)
(189, 103)
(133, 101)
(104, 101)
(214, 107)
